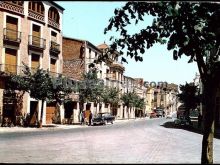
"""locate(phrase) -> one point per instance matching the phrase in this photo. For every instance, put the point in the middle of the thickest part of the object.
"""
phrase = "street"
(133, 141)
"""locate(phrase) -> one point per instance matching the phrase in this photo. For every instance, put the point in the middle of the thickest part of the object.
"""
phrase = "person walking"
(90, 118)
(82, 118)
(199, 120)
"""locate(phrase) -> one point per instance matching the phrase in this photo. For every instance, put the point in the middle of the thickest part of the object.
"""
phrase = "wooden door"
(50, 113)
(53, 65)
(36, 36)
(12, 28)
(33, 112)
(35, 60)
(10, 60)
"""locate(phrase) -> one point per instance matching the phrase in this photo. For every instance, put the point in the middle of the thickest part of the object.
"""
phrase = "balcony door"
(10, 60)
(11, 28)
(53, 65)
(35, 61)
(36, 36)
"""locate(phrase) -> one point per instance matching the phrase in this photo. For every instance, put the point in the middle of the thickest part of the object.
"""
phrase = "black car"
(159, 112)
(103, 118)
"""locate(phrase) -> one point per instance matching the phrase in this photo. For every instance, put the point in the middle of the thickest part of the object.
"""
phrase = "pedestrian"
(90, 118)
(199, 120)
(82, 118)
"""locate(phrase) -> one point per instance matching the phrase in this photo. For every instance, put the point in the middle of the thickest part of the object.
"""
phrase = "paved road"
(135, 141)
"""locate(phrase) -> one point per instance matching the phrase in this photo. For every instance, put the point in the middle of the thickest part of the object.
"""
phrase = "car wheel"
(112, 122)
(105, 122)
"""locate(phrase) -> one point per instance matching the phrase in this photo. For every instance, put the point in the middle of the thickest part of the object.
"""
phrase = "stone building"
(30, 32)
(78, 55)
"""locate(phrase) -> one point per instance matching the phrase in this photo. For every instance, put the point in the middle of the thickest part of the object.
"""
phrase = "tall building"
(30, 33)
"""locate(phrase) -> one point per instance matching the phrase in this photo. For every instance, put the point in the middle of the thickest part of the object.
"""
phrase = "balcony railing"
(37, 42)
(53, 23)
(8, 69)
(54, 47)
(12, 35)
(118, 65)
(12, 7)
(37, 16)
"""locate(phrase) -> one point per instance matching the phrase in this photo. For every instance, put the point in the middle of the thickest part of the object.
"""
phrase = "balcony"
(36, 16)
(12, 7)
(54, 47)
(8, 69)
(53, 23)
(118, 65)
(36, 42)
(12, 36)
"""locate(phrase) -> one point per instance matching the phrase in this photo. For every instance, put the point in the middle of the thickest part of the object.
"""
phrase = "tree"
(188, 28)
(90, 88)
(189, 97)
(40, 86)
(111, 96)
(61, 89)
(139, 103)
(129, 100)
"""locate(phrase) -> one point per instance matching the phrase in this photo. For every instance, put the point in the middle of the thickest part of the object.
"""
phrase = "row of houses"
(31, 33)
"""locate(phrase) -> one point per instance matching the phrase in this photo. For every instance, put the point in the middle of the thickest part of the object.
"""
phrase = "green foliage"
(40, 84)
(189, 29)
(189, 96)
(61, 89)
(91, 88)
(140, 103)
(129, 99)
(111, 95)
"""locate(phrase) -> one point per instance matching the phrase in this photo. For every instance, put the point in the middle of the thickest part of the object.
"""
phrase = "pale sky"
(87, 20)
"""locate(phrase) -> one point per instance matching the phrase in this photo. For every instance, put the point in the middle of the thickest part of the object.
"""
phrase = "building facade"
(31, 33)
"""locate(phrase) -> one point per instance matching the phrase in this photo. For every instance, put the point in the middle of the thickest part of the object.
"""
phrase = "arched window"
(54, 15)
(36, 6)
(19, 3)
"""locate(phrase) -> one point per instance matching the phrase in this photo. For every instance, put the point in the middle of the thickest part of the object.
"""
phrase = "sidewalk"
(55, 126)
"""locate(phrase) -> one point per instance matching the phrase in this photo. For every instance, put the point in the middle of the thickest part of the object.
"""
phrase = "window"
(53, 14)
(36, 7)
(100, 74)
(12, 27)
(36, 35)
(53, 64)
(35, 60)
(114, 75)
(10, 60)
(53, 36)
(19, 3)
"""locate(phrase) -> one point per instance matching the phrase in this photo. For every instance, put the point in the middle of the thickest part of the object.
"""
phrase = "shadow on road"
(171, 125)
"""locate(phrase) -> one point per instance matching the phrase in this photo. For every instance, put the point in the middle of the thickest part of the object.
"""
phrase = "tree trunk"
(41, 114)
(128, 111)
(208, 123)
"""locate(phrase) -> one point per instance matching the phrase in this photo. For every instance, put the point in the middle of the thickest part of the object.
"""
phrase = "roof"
(103, 46)
(88, 43)
(55, 4)
(129, 77)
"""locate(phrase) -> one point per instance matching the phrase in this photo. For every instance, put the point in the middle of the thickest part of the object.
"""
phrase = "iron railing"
(55, 47)
(12, 35)
(11, 69)
(37, 42)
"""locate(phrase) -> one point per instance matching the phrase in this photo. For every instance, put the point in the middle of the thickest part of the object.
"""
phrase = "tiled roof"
(103, 46)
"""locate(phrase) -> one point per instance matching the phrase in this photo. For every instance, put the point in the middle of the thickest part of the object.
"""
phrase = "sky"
(87, 20)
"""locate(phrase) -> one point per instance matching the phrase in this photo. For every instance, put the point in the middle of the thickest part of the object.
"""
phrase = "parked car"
(103, 118)
(153, 115)
(159, 112)
(182, 121)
